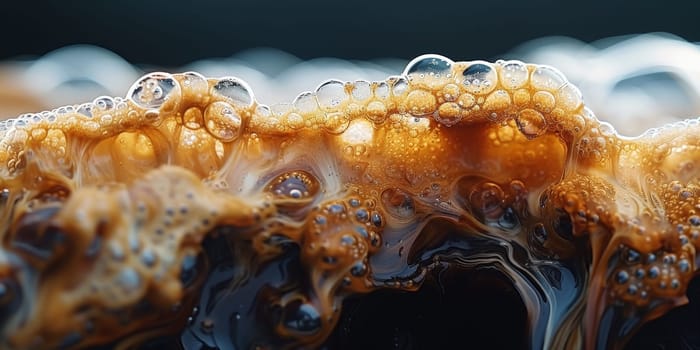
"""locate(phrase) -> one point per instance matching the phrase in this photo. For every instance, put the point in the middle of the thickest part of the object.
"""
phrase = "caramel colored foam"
(105, 206)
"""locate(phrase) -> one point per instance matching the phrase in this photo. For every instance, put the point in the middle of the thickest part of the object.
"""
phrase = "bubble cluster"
(188, 209)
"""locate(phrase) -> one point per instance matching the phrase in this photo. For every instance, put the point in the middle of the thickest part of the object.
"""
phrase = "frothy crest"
(133, 212)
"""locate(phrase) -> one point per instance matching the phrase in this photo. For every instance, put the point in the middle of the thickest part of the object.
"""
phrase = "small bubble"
(85, 109)
(153, 90)
(428, 65)
(361, 90)
(294, 185)
(479, 78)
(104, 103)
(359, 269)
(654, 272)
(362, 215)
(622, 277)
(531, 123)
(222, 121)
(547, 78)
(305, 102)
(632, 256)
(399, 86)
(129, 279)
(302, 318)
(235, 90)
(514, 75)
(331, 94)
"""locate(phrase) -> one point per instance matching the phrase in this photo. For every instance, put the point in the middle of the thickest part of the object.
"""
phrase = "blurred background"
(636, 62)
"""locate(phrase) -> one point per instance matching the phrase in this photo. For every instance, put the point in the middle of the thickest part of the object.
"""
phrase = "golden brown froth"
(105, 205)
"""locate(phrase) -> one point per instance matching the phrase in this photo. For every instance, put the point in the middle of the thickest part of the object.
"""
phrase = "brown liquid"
(190, 210)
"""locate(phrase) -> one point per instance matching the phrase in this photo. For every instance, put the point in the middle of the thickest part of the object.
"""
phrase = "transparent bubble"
(361, 90)
(381, 90)
(421, 102)
(448, 114)
(305, 102)
(294, 185)
(547, 78)
(103, 103)
(479, 78)
(194, 80)
(85, 109)
(514, 75)
(153, 90)
(486, 199)
(569, 97)
(222, 121)
(531, 123)
(376, 111)
(236, 90)
(399, 86)
(331, 94)
(428, 65)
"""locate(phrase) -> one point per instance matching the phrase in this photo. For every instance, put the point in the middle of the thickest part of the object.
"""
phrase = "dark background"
(175, 32)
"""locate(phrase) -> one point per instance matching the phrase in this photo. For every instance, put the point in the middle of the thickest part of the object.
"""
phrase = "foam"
(108, 205)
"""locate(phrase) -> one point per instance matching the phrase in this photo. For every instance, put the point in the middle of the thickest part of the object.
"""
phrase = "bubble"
(192, 118)
(305, 102)
(361, 90)
(544, 101)
(376, 219)
(420, 102)
(632, 256)
(450, 92)
(569, 97)
(498, 100)
(399, 86)
(362, 215)
(398, 203)
(376, 112)
(295, 121)
(103, 103)
(194, 80)
(531, 123)
(188, 270)
(294, 185)
(428, 65)
(153, 90)
(654, 272)
(508, 220)
(486, 198)
(129, 279)
(547, 78)
(448, 114)
(222, 121)
(85, 109)
(359, 269)
(301, 317)
(622, 277)
(479, 78)
(331, 94)
(235, 90)
(381, 90)
(514, 75)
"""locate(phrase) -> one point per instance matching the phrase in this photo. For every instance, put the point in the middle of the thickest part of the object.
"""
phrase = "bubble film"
(189, 209)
